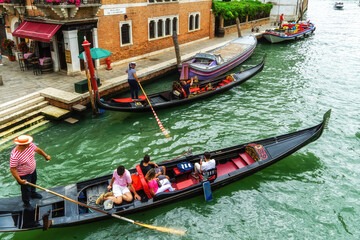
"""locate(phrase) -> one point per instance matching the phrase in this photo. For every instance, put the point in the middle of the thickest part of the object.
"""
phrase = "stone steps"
(11, 137)
(25, 109)
(21, 126)
(21, 116)
(20, 106)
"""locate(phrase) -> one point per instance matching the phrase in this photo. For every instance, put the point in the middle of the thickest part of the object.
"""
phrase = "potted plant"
(23, 47)
(9, 45)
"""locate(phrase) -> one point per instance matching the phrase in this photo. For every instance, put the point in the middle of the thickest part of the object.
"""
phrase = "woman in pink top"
(153, 183)
(23, 167)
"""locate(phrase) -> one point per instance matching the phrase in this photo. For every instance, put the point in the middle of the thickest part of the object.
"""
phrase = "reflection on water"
(311, 194)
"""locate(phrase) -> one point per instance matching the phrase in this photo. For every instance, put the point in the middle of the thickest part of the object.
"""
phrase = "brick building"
(127, 28)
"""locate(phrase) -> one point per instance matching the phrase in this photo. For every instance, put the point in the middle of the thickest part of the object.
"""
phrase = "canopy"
(37, 31)
(97, 53)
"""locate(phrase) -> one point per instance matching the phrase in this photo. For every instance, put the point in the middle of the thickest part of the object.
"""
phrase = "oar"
(161, 229)
(166, 133)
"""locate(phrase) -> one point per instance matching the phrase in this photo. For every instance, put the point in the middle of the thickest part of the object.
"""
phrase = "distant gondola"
(232, 164)
(176, 96)
(220, 60)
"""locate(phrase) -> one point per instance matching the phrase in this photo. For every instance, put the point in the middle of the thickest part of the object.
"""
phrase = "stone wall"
(247, 25)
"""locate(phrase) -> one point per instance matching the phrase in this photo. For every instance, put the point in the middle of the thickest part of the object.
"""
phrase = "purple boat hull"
(219, 61)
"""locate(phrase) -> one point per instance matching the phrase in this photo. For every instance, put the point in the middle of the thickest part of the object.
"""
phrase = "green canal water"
(312, 194)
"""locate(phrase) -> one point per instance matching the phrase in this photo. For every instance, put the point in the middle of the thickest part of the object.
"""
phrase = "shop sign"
(68, 56)
(114, 11)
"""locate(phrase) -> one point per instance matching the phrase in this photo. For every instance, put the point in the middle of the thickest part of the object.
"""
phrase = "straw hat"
(23, 140)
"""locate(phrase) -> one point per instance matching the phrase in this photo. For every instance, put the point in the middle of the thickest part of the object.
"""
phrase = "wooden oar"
(161, 229)
(166, 133)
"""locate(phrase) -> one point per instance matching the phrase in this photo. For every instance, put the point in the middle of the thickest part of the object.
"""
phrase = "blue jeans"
(27, 190)
(134, 88)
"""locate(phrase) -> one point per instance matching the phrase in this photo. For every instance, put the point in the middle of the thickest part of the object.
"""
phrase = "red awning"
(37, 31)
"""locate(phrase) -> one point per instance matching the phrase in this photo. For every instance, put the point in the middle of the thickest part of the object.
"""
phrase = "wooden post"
(90, 65)
(238, 27)
(221, 21)
(177, 49)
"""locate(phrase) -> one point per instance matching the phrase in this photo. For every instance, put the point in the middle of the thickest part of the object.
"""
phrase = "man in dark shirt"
(146, 165)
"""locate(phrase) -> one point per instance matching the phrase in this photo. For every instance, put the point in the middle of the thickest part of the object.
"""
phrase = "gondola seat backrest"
(210, 174)
(136, 182)
(143, 181)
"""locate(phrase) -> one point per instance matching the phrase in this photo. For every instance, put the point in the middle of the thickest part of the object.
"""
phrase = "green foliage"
(234, 9)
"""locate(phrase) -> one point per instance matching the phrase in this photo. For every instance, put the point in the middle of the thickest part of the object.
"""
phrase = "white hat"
(23, 140)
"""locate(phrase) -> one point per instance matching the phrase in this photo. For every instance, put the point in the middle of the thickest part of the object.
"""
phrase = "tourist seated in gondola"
(146, 165)
(205, 165)
(155, 185)
(121, 185)
(186, 86)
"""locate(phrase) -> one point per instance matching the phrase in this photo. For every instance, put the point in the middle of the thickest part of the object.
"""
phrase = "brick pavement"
(19, 83)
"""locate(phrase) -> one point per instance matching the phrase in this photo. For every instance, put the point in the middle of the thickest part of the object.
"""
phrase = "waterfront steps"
(21, 115)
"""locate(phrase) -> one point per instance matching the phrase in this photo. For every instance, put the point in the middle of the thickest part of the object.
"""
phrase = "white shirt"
(207, 165)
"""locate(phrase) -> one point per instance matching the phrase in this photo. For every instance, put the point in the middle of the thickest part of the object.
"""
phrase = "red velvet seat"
(184, 184)
(194, 90)
(226, 81)
(239, 163)
(143, 181)
(246, 157)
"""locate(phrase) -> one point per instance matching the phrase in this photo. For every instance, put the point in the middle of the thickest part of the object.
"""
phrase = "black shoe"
(36, 195)
(28, 207)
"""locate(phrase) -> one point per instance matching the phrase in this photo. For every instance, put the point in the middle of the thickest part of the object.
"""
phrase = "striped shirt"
(24, 161)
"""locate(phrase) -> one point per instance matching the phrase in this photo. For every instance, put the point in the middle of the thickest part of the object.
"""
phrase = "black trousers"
(27, 190)
(134, 88)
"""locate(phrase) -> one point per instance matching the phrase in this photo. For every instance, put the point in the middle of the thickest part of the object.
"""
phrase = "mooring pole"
(238, 27)
(86, 46)
(177, 49)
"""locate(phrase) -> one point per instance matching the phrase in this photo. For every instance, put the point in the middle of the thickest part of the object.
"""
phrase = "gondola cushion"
(184, 167)
(246, 157)
(136, 182)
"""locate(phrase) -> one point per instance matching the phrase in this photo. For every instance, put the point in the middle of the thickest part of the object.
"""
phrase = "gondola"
(177, 96)
(220, 60)
(232, 164)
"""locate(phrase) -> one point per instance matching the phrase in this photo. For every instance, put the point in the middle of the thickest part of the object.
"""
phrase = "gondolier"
(23, 166)
(133, 81)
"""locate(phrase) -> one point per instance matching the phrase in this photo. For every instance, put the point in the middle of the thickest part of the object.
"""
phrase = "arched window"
(160, 28)
(197, 21)
(152, 29)
(191, 22)
(168, 27)
(125, 34)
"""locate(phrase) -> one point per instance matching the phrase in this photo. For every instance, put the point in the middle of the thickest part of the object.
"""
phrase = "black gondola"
(177, 96)
(232, 164)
